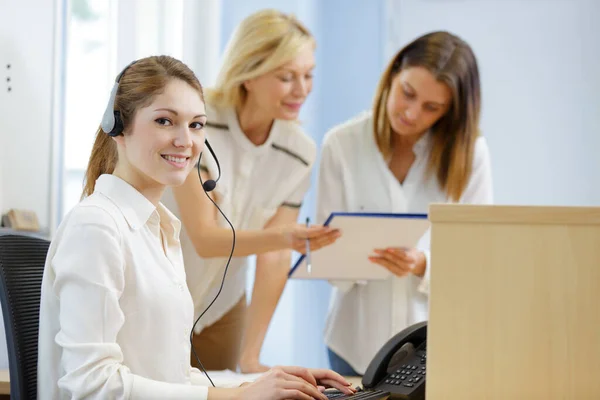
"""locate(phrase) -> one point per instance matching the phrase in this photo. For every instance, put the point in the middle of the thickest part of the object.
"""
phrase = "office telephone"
(398, 369)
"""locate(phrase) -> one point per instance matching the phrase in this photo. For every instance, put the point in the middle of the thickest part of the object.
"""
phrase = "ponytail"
(102, 161)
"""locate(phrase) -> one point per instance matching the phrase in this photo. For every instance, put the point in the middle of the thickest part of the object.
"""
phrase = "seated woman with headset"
(115, 314)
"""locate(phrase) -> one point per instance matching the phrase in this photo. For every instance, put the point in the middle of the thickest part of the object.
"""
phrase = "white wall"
(185, 29)
(539, 63)
(201, 38)
(27, 44)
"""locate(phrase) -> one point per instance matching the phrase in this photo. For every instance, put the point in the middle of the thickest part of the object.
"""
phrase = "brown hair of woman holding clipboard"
(419, 144)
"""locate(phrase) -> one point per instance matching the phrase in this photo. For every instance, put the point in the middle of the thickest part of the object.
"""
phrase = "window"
(89, 75)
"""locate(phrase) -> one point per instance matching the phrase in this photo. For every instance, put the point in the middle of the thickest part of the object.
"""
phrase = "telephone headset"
(112, 125)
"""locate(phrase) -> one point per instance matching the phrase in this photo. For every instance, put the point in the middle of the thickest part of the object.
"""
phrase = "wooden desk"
(513, 309)
(5, 382)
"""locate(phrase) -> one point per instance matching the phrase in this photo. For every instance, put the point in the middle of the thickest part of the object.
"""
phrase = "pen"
(308, 264)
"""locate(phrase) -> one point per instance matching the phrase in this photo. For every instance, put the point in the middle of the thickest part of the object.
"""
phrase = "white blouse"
(354, 177)
(115, 313)
(256, 180)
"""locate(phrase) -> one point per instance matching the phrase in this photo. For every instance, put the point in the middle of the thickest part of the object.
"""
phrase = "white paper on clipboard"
(347, 258)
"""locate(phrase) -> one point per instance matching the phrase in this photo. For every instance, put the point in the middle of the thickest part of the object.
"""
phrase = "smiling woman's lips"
(405, 122)
(293, 106)
(178, 162)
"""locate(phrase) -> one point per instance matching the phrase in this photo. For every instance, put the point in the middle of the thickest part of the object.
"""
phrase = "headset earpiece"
(115, 126)
(112, 124)
(118, 126)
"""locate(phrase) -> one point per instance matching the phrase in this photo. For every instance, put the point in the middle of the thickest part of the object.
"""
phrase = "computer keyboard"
(371, 394)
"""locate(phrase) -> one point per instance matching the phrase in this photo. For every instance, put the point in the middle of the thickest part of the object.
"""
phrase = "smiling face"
(282, 92)
(164, 141)
(417, 100)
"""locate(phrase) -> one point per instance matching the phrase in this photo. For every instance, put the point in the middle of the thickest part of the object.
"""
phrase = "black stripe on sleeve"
(291, 205)
(289, 153)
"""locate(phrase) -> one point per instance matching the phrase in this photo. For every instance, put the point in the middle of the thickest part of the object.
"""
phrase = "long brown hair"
(139, 84)
(450, 60)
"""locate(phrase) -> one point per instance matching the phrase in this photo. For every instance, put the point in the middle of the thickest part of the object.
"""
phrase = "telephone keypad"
(409, 376)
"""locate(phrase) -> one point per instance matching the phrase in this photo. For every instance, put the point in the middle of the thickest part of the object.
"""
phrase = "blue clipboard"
(362, 214)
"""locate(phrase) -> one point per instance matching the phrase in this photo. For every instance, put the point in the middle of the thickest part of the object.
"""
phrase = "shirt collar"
(169, 221)
(136, 208)
(422, 145)
(242, 139)
(420, 148)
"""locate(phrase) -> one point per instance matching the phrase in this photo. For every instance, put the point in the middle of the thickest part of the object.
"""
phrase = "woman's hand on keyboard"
(282, 383)
(327, 378)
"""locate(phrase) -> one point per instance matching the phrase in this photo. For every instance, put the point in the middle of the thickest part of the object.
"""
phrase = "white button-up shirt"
(256, 180)
(115, 313)
(354, 177)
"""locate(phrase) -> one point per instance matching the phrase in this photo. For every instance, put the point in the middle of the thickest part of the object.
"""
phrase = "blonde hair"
(261, 43)
(138, 86)
(451, 61)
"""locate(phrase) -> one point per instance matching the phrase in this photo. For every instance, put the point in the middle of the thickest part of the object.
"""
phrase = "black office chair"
(22, 261)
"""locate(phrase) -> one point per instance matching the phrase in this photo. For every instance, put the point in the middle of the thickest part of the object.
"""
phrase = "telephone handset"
(399, 366)
(398, 369)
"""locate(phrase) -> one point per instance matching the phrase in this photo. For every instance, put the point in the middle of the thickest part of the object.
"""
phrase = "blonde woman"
(266, 159)
(418, 145)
